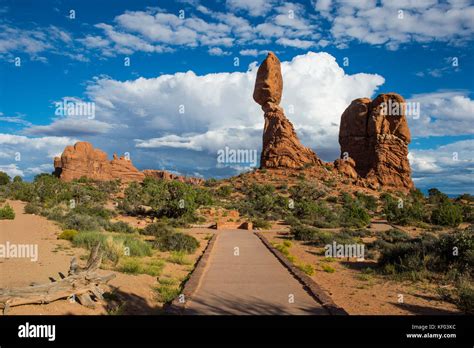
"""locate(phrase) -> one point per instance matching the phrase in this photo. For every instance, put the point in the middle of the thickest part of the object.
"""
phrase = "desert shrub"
(287, 243)
(465, 297)
(136, 266)
(7, 212)
(83, 222)
(55, 213)
(210, 182)
(467, 213)
(369, 202)
(224, 191)
(303, 233)
(133, 198)
(120, 226)
(435, 196)
(32, 208)
(360, 232)
(306, 268)
(135, 245)
(403, 212)
(166, 293)
(177, 242)
(354, 215)
(262, 201)
(17, 179)
(402, 257)
(304, 191)
(68, 234)
(312, 235)
(447, 214)
(4, 178)
(113, 246)
(394, 235)
(179, 257)
(328, 268)
(450, 252)
(88, 239)
(261, 223)
(93, 210)
(158, 229)
(455, 250)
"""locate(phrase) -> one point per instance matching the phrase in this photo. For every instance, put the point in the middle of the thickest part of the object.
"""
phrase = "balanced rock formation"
(281, 146)
(82, 160)
(374, 138)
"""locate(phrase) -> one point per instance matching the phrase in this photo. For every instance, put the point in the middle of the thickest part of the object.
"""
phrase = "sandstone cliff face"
(281, 146)
(83, 160)
(375, 137)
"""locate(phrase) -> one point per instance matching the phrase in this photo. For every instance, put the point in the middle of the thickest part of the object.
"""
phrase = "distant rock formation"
(82, 160)
(164, 175)
(281, 146)
(374, 138)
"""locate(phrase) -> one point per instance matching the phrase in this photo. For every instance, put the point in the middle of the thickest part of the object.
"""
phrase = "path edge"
(192, 283)
(310, 285)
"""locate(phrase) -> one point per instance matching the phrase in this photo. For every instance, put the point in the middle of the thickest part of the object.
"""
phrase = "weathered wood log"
(80, 283)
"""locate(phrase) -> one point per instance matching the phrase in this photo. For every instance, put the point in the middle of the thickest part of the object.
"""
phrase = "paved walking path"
(254, 282)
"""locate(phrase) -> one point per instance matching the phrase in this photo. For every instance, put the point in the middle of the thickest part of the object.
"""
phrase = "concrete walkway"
(254, 282)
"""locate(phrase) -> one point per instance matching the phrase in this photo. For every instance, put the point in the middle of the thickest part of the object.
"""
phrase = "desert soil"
(54, 256)
(366, 294)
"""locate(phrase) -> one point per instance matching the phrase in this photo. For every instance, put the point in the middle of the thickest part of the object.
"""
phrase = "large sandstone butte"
(281, 146)
(82, 160)
(374, 138)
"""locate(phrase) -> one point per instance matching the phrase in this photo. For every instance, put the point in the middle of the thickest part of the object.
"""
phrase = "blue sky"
(183, 97)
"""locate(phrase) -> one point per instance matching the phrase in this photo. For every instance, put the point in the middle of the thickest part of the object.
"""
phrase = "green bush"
(403, 212)
(83, 222)
(177, 242)
(303, 233)
(403, 257)
(120, 226)
(261, 223)
(179, 257)
(465, 297)
(224, 191)
(354, 215)
(166, 293)
(7, 212)
(68, 234)
(312, 235)
(17, 179)
(4, 178)
(369, 202)
(263, 202)
(158, 229)
(306, 268)
(113, 246)
(32, 208)
(447, 214)
(451, 252)
(135, 266)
